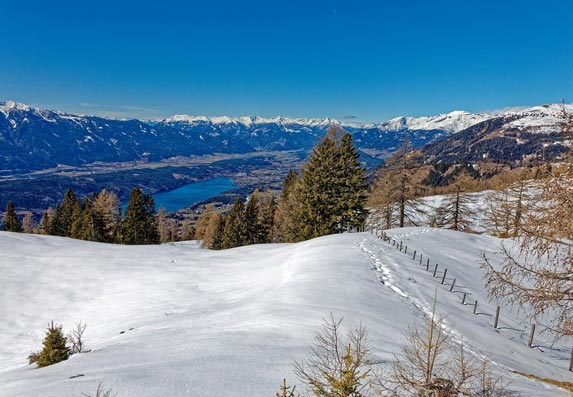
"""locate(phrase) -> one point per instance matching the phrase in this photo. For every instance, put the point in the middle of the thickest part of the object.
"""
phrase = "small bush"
(55, 349)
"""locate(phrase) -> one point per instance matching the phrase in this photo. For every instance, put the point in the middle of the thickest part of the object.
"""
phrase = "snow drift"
(177, 320)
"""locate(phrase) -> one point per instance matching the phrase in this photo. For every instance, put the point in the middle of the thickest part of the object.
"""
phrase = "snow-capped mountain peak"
(450, 122)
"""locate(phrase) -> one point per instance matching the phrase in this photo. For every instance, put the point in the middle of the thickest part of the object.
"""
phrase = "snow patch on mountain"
(542, 119)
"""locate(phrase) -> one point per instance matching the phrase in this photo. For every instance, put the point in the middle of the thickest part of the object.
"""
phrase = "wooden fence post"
(496, 318)
(400, 245)
(414, 258)
(444, 276)
(435, 270)
(571, 361)
(475, 307)
(464, 298)
(406, 249)
(453, 284)
(531, 335)
(428, 265)
(420, 259)
(393, 242)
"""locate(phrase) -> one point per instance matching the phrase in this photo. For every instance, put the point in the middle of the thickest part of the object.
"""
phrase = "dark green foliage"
(318, 193)
(55, 349)
(139, 225)
(244, 224)
(61, 224)
(11, 221)
(331, 194)
(266, 220)
(44, 227)
(352, 185)
(251, 220)
(234, 230)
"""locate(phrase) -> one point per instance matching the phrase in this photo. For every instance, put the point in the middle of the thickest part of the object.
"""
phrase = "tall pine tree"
(352, 187)
(331, 193)
(234, 229)
(139, 224)
(11, 221)
(317, 195)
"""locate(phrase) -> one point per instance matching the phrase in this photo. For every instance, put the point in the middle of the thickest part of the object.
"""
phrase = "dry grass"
(562, 384)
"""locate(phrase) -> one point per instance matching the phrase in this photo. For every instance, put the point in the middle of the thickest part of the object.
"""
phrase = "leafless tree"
(432, 365)
(536, 270)
(393, 196)
(75, 338)
(456, 211)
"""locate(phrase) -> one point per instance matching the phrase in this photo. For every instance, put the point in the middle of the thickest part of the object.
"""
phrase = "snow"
(249, 121)
(179, 320)
(540, 119)
(451, 122)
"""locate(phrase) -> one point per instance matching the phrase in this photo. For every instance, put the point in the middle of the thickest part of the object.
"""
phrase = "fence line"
(385, 237)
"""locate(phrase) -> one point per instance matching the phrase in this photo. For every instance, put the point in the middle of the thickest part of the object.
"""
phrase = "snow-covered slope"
(450, 122)
(541, 119)
(177, 320)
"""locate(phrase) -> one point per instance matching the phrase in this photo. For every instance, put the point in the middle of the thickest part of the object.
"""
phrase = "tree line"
(97, 218)
(327, 197)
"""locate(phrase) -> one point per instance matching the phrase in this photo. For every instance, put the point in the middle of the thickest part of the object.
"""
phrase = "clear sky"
(369, 59)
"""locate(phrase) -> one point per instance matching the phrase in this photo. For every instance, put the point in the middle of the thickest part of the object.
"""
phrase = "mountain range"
(535, 134)
(33, 139)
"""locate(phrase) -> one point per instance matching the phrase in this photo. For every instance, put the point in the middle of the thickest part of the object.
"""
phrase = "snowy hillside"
(177, 320)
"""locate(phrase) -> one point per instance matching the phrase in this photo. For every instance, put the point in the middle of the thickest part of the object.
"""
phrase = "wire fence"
(424, 261)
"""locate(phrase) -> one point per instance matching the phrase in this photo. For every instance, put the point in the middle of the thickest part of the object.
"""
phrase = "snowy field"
(177, 320)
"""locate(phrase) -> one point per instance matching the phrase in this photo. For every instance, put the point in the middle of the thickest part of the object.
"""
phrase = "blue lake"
(191, 193)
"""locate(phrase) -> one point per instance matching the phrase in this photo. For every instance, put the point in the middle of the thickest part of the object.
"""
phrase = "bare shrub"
(101, 391)
(33, 357)
(75, 338)
(432, 365)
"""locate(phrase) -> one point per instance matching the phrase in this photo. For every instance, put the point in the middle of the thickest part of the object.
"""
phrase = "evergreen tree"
(267, 210)
(134, 221)
(234, 229)
(352, 180)
(56, 228)
(286, 391)
(318, 194)
(11, 221)
(63, 218)
(284, 223)
(332, 190)
(251, 225)
(55, 349)
(151, 227)
(44, 227)
(77, 220)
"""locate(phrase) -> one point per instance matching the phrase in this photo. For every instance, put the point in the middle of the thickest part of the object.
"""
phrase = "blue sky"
(370, 59)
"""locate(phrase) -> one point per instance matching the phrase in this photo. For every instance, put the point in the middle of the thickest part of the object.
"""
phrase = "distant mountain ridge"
(33, 139)
(511, 137)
